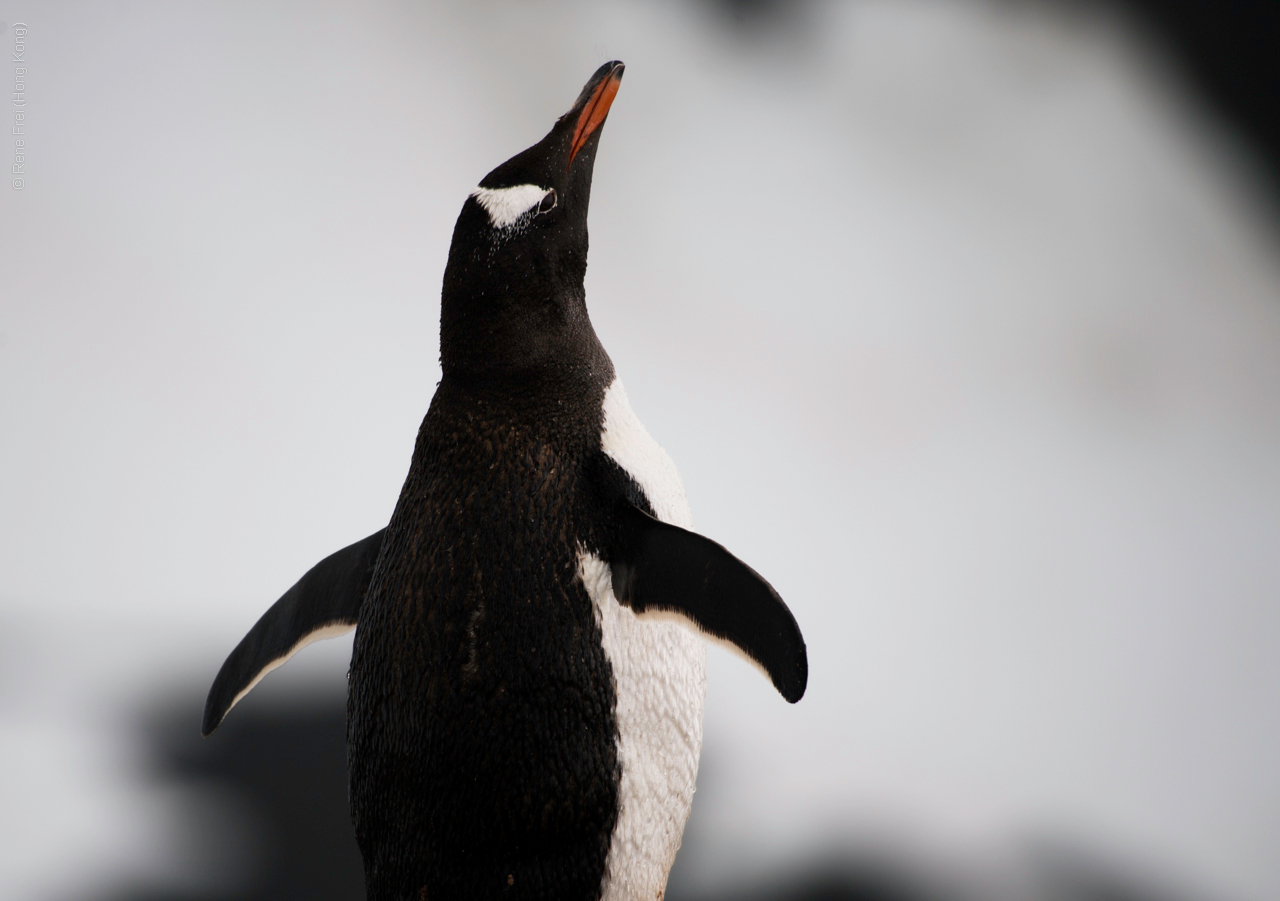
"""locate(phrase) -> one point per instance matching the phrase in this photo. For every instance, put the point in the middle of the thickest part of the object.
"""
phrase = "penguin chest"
(482, 743)
(659, 673)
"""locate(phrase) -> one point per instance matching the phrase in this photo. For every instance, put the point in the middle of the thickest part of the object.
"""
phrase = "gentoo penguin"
(526, 689)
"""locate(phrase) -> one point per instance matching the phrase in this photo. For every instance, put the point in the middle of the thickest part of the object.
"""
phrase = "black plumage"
(483, 723)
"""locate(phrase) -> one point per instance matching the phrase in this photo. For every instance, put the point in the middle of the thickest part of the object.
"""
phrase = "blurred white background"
(960, 318)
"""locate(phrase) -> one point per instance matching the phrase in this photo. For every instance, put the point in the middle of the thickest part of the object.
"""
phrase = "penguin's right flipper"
(324, 603)
(659, 568)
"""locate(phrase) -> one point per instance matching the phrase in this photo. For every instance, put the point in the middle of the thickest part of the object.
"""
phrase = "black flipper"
(322, 604)
(660, 567)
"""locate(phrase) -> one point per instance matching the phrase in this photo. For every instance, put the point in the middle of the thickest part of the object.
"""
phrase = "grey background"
(961, 320)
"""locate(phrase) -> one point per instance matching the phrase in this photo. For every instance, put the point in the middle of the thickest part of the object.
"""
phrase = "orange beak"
(595, 110)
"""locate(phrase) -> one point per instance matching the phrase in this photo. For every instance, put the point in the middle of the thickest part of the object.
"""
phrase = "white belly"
(659, 671)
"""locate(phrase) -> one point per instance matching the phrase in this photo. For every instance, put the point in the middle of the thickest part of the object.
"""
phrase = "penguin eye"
(548, 201)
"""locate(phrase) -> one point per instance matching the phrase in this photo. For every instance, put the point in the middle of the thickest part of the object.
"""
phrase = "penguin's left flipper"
(658, 568)
(324, 603)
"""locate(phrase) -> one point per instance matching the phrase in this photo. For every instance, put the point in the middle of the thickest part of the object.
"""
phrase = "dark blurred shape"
(1231, 49)
(849, 880)
(1050, 874)
(1228, 50)
(760, 15)
(289, 765)
(284, 761)
(1063, 873)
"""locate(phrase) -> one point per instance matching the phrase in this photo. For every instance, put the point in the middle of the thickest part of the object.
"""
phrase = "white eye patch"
(505, 206)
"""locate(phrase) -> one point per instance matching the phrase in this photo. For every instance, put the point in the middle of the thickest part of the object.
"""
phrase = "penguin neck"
(549, 349)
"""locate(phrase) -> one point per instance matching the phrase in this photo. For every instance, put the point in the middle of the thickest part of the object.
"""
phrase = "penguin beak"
(598, 100)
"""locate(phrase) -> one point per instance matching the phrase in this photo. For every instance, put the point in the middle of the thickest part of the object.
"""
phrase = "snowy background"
(960, 318)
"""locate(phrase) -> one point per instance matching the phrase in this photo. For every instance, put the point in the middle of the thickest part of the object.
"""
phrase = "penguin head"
(513, 299)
